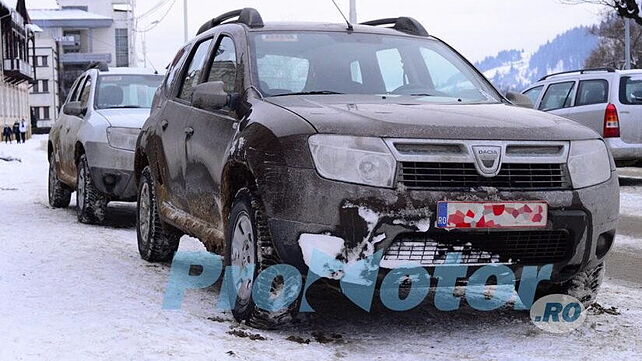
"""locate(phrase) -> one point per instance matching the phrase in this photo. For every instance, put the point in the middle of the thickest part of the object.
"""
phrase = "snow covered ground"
(70, 291)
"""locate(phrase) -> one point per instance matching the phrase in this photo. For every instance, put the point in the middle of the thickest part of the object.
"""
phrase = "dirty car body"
(350, 135)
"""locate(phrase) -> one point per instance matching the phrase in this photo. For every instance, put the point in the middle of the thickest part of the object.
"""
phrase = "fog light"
(604, 243)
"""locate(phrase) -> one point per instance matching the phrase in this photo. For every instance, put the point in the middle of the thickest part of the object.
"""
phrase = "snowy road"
(70, 291)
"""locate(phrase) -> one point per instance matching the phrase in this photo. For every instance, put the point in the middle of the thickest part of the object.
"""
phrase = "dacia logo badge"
(488, 160)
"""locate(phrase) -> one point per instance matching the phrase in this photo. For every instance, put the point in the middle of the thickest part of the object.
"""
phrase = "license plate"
(453, 215)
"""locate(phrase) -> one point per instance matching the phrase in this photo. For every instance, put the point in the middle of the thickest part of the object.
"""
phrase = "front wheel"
(92, 204)
(157, 242)
(59, 193)
(584, 286)
(249, 243)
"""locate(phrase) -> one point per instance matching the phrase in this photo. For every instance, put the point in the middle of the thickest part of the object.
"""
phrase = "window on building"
(46, 113)
(35, 112)
(35, 88)
(42, 61)
(122, 47)
(44, 86)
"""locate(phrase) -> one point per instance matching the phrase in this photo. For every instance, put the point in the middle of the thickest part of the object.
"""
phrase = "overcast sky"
(477, 28)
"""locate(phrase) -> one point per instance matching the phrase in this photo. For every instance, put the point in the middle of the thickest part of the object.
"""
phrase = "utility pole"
(627, 44)
(185, 27)
(353, 11)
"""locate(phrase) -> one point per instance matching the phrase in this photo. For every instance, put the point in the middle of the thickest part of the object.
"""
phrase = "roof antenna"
(350, 27)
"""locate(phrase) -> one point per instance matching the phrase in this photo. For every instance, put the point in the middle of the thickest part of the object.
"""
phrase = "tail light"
(611, 122)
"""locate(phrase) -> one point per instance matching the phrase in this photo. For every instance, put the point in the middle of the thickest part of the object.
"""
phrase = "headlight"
(589, 163)
(123, 138)
(353, 159)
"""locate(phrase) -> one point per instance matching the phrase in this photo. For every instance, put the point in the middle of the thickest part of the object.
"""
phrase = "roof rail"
(247, 16)
(404, 24)
(102, 66)
(581, 71)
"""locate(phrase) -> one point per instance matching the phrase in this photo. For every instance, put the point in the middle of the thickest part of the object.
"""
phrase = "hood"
(405, 117)
(126, 118)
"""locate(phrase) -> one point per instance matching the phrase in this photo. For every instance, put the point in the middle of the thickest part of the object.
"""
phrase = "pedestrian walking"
(6, 134)
(16, 131)
(23, 130)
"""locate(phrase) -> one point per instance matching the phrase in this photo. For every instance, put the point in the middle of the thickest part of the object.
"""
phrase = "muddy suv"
(270, 142)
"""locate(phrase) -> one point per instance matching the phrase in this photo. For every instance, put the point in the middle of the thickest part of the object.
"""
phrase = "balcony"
(83, 58)
(17, 71)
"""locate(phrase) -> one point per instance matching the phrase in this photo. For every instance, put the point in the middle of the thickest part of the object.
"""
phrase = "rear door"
(213, 133)
(590, 104)
(558, 97)
(174, 124)
(629, 106)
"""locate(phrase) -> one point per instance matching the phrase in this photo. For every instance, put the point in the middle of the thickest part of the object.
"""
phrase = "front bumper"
(299, 202)
(112, 171)
(624, 151)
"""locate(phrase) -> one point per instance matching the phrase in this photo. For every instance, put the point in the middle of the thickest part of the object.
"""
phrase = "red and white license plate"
(492, 215)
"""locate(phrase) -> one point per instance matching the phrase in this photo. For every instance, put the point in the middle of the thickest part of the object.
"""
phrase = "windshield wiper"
(314, 92)
(123, 107)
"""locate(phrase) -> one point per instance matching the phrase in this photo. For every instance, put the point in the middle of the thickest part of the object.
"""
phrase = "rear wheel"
(249, 242)
(92, 204)
(59, 193)
(157, 242)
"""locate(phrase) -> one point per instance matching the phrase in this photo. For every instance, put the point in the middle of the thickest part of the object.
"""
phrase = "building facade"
(73, 36)
(16, 47)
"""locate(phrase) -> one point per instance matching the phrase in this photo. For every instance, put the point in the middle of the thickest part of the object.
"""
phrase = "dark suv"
(270, 141)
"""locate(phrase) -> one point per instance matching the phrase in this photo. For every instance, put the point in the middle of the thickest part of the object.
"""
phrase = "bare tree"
(624, 8)
(610, 50)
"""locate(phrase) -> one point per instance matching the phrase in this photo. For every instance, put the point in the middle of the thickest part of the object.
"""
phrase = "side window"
(224, 64)
(193, 73)
(557, 96)
(73, 94)
(173, 68)
(392, 69)
(86, 91)
(592, 92)
(533, 94)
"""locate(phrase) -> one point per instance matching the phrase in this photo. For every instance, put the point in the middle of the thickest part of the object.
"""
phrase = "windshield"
(287, 63)
(126, 91)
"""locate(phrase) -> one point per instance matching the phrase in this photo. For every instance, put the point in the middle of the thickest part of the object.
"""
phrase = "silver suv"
(606, 100)
(91, 146)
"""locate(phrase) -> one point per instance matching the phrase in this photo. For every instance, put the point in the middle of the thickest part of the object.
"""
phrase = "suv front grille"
(514, 247)
(513, 176)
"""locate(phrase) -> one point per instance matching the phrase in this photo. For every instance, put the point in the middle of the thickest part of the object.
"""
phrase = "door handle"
(189, 131)
(164, 124)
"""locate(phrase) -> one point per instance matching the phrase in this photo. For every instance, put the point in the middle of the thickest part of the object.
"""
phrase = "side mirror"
(74, 109)
(520, 100)
(210, 96)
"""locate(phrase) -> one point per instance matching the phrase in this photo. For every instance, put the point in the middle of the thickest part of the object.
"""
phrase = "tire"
(92, 204)
(256, 247)
(59, 193)
(584, 286)
(157, 242)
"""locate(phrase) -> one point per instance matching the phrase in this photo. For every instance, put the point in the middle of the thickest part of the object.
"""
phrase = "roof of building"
(49, 18)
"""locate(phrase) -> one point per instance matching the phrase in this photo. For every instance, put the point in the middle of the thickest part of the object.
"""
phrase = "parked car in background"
(606, 100)
(91, 146)
(270, 142)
